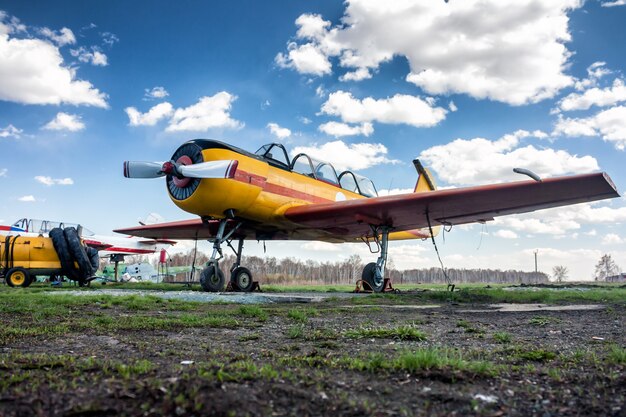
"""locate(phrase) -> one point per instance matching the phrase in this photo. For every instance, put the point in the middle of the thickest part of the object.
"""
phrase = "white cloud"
(65, 121)
(562, 220)
(207, 113)
(53, 181)
(452, 106)
(481, 161)
(151, 117)
(348, 156)
(63, 37)
(614, 3)
(601, 97)
(10, 132)
(399, 109)
(321, 246)
(609, 124)
(612, 239)
(305, 120)
(93, 57)
(506, 234)
(109, 38)
(394, 191)
(338, 129)
(32, 71)
(507, 50)
(280, 132)
(157, 92)
(306, 59)
(595, 72)
(3, 172)
(27, 199)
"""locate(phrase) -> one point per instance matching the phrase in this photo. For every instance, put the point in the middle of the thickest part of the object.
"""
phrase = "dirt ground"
(331, 358)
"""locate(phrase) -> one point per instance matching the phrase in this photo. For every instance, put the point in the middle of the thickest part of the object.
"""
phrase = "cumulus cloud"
(506, 234)
(609, 124)
(337, 129)
(27, 199)
(63, 37)
(482, 161)
(207, 113)
(93, 56)
(399, 109)
(10, 132)
(157, 92)
(614, 3)
(32, 71)
(600, 97)
(151, 117)
(517, 55)
(595, 72)
(612, 239)
(65, 121)
(53, 181)
(280, 132)
(562, 220)
(3, 172)
(394, 191)
(348, 156)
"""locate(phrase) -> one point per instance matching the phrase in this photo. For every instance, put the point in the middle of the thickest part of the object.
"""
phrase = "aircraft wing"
(452, 206)
(345, 221)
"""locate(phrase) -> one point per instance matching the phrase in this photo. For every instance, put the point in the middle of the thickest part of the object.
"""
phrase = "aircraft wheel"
(212, 278)
(77, 250)
(18, 277)
(372, 276)
(241, 279)
(63, 252)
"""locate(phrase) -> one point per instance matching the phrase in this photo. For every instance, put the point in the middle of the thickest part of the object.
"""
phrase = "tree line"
(271, 270)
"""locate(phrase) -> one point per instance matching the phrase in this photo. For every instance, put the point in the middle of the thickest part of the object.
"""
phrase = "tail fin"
(424, 184)
(425, 181)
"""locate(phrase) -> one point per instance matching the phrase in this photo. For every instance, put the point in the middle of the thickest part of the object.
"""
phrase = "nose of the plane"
(188, 153)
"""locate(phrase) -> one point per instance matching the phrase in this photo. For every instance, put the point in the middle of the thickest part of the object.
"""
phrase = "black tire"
(94, 259)
(241, 279)
(212, 278)
(77, 250)
(63, 252)
(18, 277)
(372, 278)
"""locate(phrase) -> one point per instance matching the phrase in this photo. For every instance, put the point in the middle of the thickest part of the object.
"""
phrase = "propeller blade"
(139, 169)
(211, 169)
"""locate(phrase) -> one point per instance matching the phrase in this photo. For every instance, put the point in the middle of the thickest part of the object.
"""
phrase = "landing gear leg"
(212, 278)
(240, 277)
(374, 272)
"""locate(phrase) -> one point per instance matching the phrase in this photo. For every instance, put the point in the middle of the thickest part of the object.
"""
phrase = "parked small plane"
(106, 245)
(270, 196)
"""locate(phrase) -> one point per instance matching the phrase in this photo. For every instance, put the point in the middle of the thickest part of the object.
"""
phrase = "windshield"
(44, 226)
(274, 153)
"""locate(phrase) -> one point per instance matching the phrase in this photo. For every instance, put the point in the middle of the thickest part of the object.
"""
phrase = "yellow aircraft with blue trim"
(267, 195)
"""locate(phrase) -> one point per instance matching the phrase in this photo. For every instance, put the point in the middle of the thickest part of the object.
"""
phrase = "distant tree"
(606, 267)
(559, 273)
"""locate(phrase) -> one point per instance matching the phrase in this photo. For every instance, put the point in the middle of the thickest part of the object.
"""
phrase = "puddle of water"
(517, 308)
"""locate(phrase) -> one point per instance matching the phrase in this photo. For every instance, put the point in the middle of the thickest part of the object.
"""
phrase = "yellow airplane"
(269, 196)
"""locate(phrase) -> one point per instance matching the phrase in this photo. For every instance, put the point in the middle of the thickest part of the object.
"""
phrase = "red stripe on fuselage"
(259, 181)
(128, 250)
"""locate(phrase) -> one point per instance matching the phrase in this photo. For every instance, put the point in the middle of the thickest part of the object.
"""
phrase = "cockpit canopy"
(276, 155)
(44, 226)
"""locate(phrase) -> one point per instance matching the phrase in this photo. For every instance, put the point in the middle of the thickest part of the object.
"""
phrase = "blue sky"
(472, 88)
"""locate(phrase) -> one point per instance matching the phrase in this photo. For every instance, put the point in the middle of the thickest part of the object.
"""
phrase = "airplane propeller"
(210, 169)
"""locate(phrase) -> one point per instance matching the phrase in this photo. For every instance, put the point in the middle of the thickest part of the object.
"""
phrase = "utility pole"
(536, 251)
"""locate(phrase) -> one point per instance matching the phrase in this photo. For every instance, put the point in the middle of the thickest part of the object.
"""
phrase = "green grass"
(298, 315)
(405, 332)
(543, 320)
(535, 355)
(617, 355)
(502, 337)
(253, 311)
